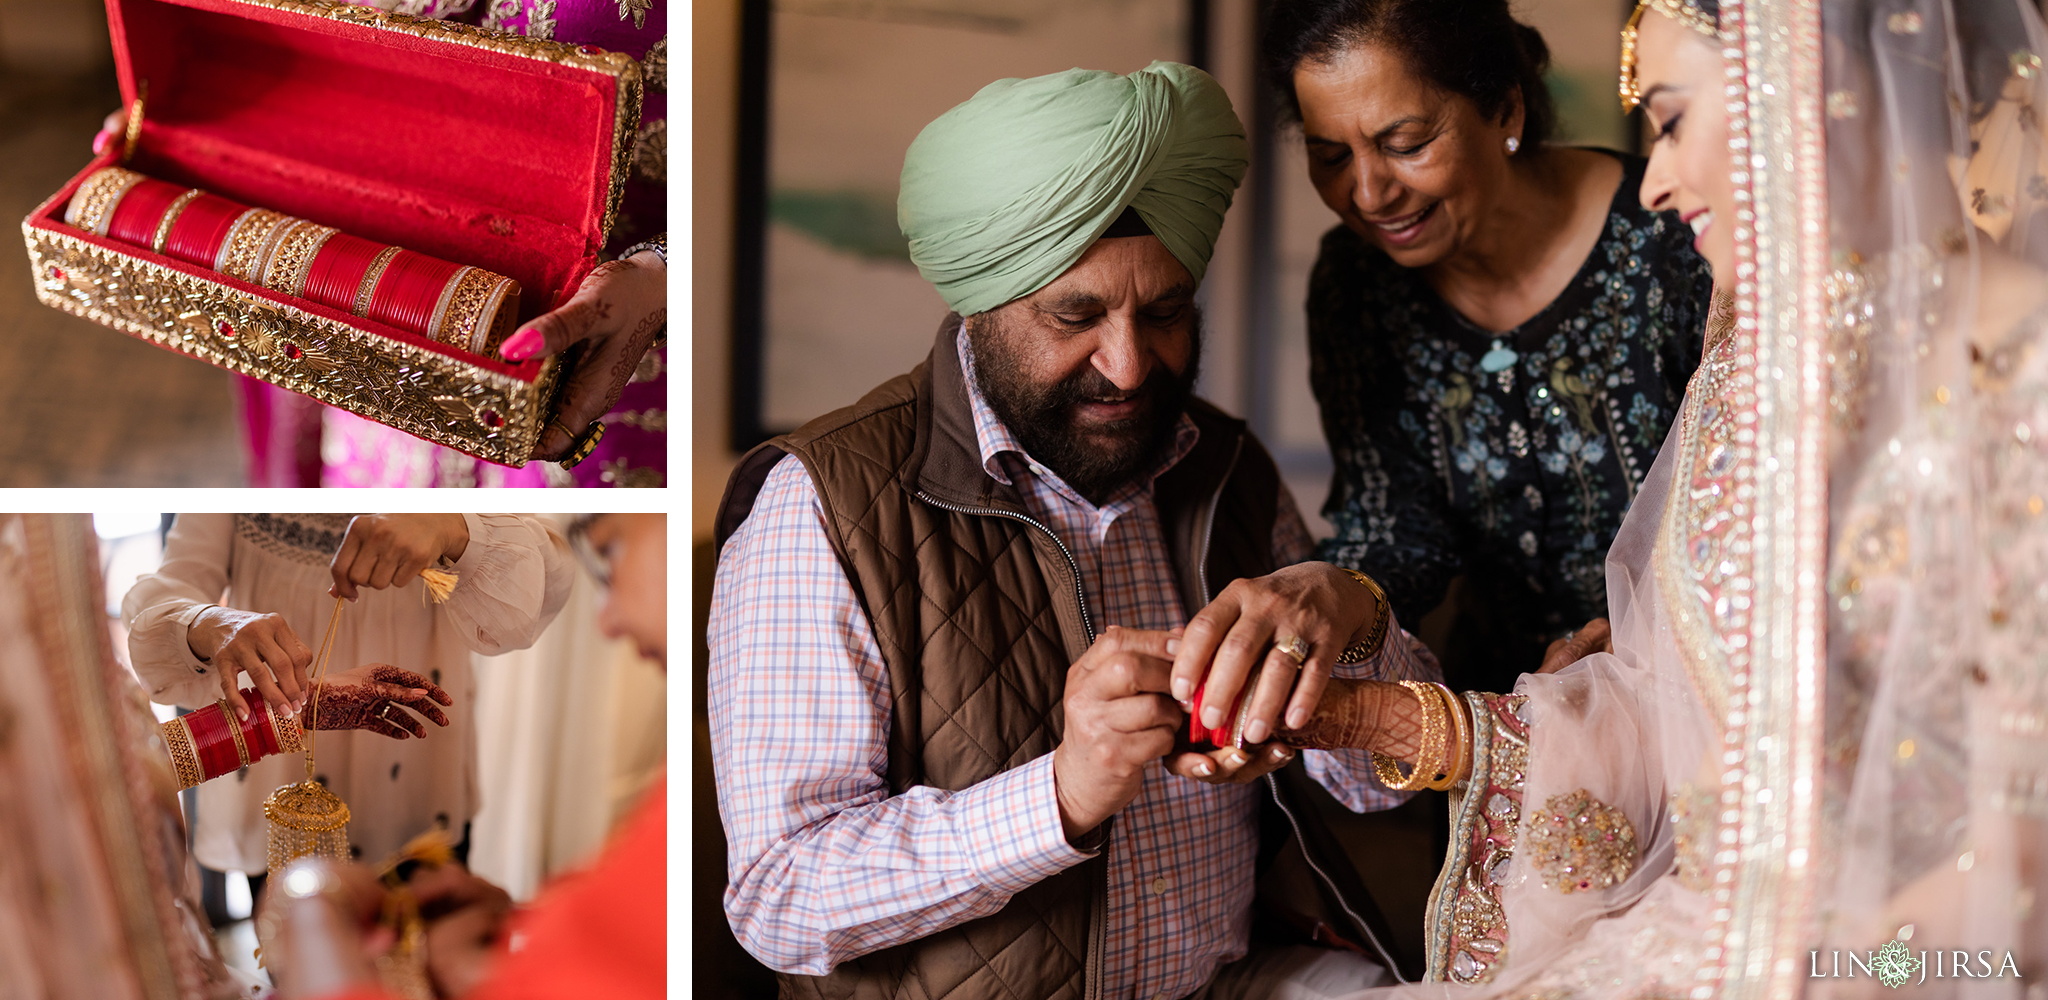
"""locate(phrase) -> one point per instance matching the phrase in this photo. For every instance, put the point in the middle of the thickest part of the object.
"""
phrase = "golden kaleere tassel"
(439, 583)
(307, 820)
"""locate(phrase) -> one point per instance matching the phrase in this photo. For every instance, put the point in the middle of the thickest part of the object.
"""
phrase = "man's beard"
(1098, 458)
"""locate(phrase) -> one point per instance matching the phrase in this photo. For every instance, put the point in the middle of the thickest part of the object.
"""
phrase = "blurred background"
(90, 407)
(803, 296)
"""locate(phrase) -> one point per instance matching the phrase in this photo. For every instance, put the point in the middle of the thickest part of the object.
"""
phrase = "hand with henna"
(614, 315)
(374, 697)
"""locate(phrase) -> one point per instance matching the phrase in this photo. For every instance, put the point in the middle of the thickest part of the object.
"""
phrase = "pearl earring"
(1514, 145)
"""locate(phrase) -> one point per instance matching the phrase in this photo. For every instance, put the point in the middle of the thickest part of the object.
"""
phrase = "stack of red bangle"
(463, 307)
(212, 742)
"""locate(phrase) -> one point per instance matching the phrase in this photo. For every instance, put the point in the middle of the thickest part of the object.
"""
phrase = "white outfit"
(515, 574)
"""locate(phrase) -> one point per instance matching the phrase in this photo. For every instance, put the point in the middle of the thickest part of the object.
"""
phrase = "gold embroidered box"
(489, 150)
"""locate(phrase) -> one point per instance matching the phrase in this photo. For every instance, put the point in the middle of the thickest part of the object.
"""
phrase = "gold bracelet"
(1429, 756)
(177, 739)
(1369, 647)
(227, 713)
(1461, 740)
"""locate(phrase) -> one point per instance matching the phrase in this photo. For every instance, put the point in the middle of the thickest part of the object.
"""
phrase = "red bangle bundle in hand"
(465, 307)
(212, 742)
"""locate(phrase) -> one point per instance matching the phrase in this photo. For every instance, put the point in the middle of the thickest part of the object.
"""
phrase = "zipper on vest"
(1073, 565)
(1273, 786)
(1209, 521)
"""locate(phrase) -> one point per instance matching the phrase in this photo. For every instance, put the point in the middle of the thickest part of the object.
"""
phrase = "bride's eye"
(1670, 127)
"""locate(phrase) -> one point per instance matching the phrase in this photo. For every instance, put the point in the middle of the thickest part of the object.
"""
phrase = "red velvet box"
(481, 148)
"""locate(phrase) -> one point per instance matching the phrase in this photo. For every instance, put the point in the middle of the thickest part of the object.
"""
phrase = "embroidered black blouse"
(1509, 458)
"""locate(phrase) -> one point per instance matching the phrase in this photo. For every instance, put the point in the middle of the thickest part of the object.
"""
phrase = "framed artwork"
(827, 304)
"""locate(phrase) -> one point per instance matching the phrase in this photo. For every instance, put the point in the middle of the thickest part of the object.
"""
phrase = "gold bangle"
(368, 286)
(1429, 754)
(177, 739)
(1369, 647)
(227, 713)
(1459, 752)
(290, 738)
(163, 226)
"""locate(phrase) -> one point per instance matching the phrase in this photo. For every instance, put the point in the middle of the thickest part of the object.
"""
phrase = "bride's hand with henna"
(615, 314)
(373, 697)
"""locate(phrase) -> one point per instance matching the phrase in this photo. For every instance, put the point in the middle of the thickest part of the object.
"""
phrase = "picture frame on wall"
(826, 303)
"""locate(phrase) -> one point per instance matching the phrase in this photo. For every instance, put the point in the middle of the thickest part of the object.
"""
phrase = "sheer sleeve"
(516, 573)
(1386, 504)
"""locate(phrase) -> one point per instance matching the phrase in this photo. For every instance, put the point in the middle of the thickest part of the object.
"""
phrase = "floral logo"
(1895, 965)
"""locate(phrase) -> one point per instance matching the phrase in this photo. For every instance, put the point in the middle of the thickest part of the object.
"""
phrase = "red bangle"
(338, 271)
(200, 229)
(410, 289)
(213, 741)
(135, 218)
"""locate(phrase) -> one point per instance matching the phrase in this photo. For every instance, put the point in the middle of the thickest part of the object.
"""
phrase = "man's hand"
(1119, 720)
(388, 550)
(1229, 765)
(262, 646)
(1314, 601)
(1596, 637)
(617, 311)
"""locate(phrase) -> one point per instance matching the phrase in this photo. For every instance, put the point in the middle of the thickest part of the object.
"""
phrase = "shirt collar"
(1001, 451)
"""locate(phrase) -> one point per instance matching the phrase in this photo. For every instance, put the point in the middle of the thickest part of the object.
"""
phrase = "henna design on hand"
(358, 705)
(1361, 715)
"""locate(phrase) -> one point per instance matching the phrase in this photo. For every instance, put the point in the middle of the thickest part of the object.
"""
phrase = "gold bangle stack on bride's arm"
(1445, 749)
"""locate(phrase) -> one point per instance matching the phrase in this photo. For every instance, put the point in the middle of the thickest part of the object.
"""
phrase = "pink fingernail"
(1255, 733)
(1182, 688)
(522, 345)
(1173, 647)
(1212, 717)
(99, 142)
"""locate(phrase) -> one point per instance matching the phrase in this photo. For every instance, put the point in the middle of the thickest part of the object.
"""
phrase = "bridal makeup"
(1678, 71)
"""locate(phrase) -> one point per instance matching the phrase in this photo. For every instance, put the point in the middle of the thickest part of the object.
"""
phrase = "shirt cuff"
(1011, 827)
(181, 628)
(471, 554)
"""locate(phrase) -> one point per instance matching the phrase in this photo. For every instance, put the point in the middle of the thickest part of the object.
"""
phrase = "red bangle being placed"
(464, 307)
(212, 742)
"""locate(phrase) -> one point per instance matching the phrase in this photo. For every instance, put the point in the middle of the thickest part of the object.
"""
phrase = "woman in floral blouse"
(1500, 335)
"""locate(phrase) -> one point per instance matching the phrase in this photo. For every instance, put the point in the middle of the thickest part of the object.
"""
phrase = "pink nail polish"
(99, 142)
(522, 345)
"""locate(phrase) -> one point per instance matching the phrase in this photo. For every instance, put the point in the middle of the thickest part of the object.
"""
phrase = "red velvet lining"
(480, 158)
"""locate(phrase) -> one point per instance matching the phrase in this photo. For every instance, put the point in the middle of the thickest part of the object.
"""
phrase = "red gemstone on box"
(294, 351)
(57, 273)
(491, 418)
(224, 328)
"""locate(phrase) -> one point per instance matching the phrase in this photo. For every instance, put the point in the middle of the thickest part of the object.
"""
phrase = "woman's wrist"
(205, 635)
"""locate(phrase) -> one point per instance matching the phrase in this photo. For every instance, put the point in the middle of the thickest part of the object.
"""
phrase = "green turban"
(1005, 192)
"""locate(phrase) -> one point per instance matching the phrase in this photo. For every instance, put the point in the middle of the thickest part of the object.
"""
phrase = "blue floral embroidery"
(1516, 477)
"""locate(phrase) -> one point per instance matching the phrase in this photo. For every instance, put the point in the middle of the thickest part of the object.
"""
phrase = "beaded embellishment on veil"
(1685, 12)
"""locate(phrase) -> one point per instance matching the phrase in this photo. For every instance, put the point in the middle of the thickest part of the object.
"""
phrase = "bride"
(1864, 449)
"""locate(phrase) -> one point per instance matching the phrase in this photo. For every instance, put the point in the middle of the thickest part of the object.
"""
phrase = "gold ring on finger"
(1296, 649)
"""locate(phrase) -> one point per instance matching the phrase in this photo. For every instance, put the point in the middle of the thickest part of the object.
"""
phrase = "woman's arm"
(515, 576)
(162, 606)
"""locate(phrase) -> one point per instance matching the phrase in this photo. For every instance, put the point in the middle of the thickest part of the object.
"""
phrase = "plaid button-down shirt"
(825, 865)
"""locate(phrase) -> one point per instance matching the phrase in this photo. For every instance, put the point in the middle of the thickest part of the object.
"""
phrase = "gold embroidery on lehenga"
(654, 68)
(1578, 843)
(1467, 929)
(637, 10)
(650, 152)
(1692, 829)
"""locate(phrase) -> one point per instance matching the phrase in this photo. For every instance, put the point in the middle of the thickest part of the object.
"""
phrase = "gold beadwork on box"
(1578, 843)
(392, 381)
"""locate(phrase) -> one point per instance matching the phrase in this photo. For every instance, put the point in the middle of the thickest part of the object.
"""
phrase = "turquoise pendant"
(1498, 358)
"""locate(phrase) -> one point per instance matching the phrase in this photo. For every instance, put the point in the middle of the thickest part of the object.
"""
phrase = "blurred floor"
(82, 404)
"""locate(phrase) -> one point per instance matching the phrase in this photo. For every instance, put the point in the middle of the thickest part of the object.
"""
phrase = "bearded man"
(942, 652)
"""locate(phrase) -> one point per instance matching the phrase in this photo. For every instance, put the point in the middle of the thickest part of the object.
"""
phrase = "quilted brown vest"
(979, 613)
